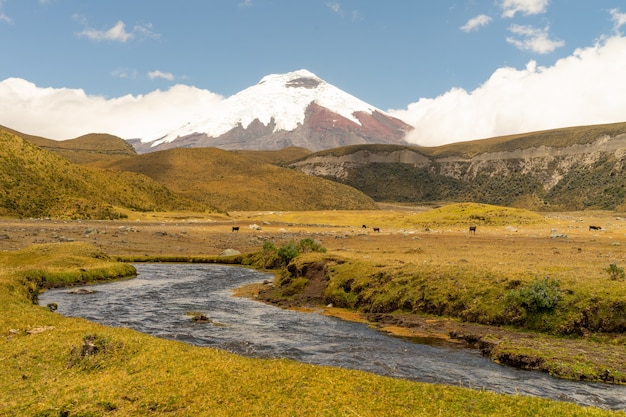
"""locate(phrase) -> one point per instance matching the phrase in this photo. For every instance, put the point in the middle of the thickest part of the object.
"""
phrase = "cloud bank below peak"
(63, 113)
(582, 89)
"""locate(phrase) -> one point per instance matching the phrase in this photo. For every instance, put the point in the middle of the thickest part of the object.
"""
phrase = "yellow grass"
(142, 375)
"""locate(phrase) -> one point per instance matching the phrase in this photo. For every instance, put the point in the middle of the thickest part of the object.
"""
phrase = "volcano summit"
(293, 109)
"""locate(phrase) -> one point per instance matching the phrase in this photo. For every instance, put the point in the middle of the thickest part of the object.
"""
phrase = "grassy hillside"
(234, 182)
(38, 183)
(86, 149)
(280, 157)
(544, 179)
(554, 138)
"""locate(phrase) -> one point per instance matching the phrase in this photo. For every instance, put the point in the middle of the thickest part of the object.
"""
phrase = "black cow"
(377, 229)
(235, 228)
(595, 228)
(472, 229)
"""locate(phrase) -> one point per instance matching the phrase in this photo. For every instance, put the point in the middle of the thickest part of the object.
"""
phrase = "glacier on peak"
(278, 98)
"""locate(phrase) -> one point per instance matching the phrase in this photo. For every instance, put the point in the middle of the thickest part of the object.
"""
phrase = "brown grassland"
(137, 375)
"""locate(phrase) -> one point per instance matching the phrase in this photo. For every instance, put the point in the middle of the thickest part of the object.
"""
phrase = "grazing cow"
(595, 228)
(472, 229)
(364, 227)
(377, 229)
(235, 228)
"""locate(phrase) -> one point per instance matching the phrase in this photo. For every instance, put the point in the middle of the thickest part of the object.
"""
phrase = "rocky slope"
(573, 168)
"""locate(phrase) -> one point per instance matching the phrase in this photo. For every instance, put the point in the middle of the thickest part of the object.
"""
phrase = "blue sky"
(396, 55)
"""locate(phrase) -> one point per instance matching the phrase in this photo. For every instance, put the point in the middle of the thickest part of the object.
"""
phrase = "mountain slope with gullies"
(38, 183)
(284, 110)
(561, 169)
(231, 181)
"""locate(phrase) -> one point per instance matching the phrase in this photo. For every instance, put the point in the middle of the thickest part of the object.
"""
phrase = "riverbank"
(55, 366)
(596, 357)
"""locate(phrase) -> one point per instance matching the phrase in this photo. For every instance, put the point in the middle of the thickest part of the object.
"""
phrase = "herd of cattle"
(472, 229)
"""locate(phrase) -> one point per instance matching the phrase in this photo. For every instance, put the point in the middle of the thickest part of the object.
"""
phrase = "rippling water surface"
(156, 302)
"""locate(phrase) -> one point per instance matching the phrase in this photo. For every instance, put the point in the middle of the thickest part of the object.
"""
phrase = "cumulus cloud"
(160, 74)
(62, 113)
(525, 7)
(532, 39)
(476, 22)
(582, 89)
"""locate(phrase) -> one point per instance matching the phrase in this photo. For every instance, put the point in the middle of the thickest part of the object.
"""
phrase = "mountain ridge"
(561, 169)
(293, 109)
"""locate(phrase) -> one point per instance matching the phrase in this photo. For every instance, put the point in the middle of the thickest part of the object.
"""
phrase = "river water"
(155, 302)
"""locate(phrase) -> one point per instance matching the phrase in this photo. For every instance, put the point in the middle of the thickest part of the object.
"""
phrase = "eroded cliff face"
(545, 163)
(548, 164)
(535, 171)
(339, 166)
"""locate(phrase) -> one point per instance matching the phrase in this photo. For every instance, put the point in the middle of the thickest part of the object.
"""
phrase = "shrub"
(541, 295)
(269, 255)
(615, 272)
(309, 245)
(287, 252)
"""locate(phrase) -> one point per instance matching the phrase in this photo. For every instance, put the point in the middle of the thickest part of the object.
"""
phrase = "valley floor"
(563, 241)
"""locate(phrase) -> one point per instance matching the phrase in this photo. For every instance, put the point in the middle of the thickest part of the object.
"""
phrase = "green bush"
(308, 245)
(287, 252)
(615, 272)
(541, 295)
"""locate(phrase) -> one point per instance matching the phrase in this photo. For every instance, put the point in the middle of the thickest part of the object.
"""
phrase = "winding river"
(155, 302)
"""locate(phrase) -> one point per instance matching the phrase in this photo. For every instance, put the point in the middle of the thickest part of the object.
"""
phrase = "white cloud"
(476, 22)
(124, 73)
(525, 7)
(4, 17)
(145, 32)
(160, 74)
(117, 33)
(61, 113)
(335, 7)
(619, 19)
(533, 39)
(582, 89)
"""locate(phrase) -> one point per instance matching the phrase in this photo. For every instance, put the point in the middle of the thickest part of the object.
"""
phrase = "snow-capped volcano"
(293, 109)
